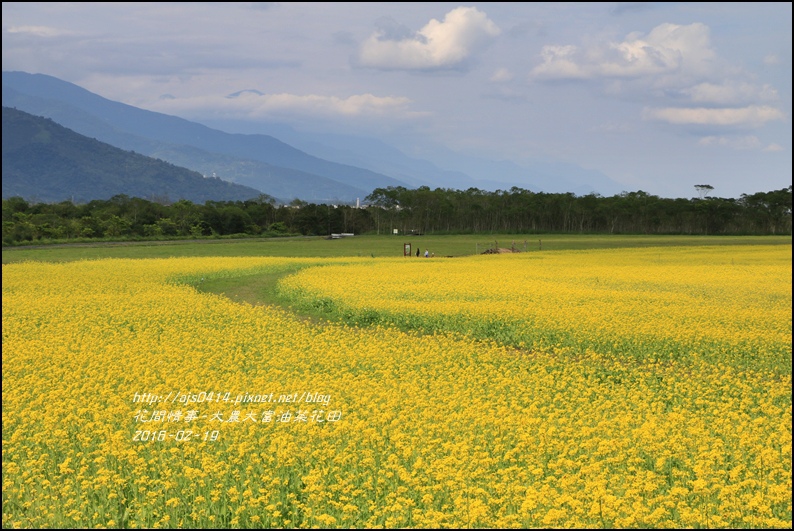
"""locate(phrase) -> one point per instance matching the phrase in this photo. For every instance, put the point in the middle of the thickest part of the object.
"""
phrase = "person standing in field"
(417, 252)
(427, 254)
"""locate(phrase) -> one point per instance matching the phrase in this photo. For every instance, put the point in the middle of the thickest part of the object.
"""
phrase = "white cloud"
(667, 49)
(730, 93)
(502, 75)
(771, 148)
(741, 143)
(360, 104)
(252, 104)
(560, 62)
(750, 116)
(612, 127)
(771, 59)
(39, 31)
(447, 44)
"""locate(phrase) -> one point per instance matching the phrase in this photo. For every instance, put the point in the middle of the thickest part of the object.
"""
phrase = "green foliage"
(520, 211)
(278, 227)
(412, 212)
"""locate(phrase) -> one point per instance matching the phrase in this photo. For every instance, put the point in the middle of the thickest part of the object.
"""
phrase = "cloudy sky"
(657, 96)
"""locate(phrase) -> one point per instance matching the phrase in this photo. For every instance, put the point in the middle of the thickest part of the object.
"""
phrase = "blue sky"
(657, 96)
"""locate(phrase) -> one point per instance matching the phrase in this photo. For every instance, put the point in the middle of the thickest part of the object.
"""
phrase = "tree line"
(417, 211)
(518, 210)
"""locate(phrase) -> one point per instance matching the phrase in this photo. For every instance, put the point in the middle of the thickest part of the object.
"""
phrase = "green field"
(378, 246)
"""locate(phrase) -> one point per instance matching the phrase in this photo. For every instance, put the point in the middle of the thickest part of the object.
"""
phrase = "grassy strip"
(259, 288)
(367, 245)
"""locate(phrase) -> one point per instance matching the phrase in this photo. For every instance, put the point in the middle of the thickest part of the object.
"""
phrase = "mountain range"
(285, 164)
(46, 162)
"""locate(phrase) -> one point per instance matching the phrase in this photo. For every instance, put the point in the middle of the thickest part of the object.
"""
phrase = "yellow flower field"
(130, 399)
(731, 304)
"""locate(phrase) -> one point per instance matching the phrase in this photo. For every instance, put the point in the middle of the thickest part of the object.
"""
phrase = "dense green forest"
(419, 210)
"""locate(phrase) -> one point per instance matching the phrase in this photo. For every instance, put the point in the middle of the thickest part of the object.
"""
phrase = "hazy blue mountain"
(547, 175)
(282, 183)
(364, 152)
(44, 161)
(151, 133)
(462, 171)
(234, 150)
